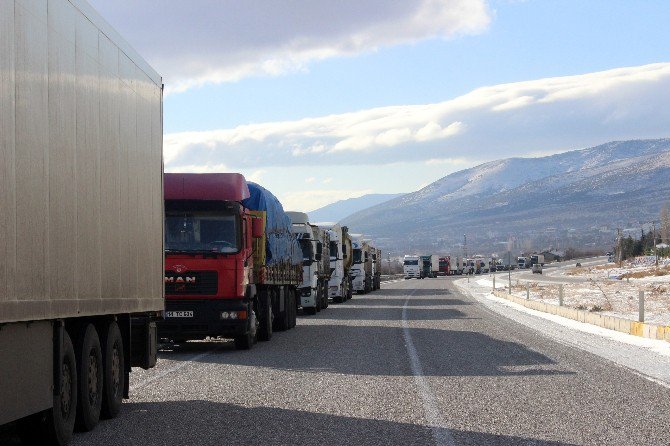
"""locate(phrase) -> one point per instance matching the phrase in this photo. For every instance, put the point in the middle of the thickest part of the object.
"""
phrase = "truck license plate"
(179, 314)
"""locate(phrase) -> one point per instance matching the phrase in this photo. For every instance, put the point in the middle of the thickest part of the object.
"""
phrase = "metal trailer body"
(425, 264)
(411, 267)
(81, 226)
(537, 258)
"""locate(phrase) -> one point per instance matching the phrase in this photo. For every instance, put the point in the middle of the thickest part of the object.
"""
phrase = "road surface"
(416, 363)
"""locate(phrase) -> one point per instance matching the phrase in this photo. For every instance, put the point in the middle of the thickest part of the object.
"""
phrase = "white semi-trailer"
(81, 217)
(311, 291)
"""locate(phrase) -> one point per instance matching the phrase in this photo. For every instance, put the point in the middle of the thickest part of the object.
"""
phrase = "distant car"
(537, 268)
(578, 264)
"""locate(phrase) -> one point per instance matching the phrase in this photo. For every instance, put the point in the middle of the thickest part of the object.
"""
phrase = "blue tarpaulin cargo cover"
(281, 243)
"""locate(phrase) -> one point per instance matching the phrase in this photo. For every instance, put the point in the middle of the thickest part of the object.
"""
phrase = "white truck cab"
(309, 298)
(411, 267)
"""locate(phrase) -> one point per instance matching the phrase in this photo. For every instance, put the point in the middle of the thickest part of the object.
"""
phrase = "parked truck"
(434, 265)
(377, 259)
(456, 265)
(232, 265)
(411, 267)
(523, 262)
(361, 270)
(81, 226)
(537, 259)
(339, 284)
(313, 241)
(444, 266)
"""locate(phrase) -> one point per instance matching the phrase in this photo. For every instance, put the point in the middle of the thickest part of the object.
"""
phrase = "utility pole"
(465, 246)
(618, 242)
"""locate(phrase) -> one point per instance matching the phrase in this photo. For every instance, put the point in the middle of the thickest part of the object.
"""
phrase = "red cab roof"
(205, 186)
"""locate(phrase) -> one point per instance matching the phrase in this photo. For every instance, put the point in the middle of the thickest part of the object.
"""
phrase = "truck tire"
(281, 322)
(61, 418)
(324, 293)
(89, 368)
(114, 371)
(311, 311)
(293, 305)
(247, 340)
(265, 317)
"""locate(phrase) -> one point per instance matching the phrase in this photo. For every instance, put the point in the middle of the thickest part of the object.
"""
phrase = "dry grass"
(660, 271)
(605, 266)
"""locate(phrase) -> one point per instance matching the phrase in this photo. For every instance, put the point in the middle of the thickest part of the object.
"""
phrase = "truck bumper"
(358, 284)
(197, 319)
(307, 297)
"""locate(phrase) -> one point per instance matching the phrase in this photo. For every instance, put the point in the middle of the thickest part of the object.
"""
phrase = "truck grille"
(199, 283)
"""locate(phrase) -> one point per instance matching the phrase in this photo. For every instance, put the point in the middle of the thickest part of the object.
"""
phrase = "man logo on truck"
(180, 279)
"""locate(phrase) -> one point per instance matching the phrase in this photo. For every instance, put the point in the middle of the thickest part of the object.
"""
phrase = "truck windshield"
(411, 262)
(306, 246)
(333, 250)
(357, 256)
(202, 232)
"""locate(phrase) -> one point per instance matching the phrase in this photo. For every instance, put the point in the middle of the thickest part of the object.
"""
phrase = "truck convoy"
(81, 233)
(537, 259)
(232, 264)
(315, 244)
(341, 260)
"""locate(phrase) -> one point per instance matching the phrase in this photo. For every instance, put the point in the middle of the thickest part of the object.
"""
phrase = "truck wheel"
(309, 310)
(61, 418)
(293, 305)
(89, 367)
(246, 341)
(281, 322)
(114, 372)
(265, 318)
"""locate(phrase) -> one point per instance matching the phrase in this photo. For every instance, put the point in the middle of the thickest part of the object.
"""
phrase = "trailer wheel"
(114, 372)
(89, 366)
(324, 293)
(61, 418)
(293, 305)
(265, 317)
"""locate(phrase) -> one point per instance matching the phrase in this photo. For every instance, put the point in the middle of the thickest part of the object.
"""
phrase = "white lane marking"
(441, 433)
(174, 368)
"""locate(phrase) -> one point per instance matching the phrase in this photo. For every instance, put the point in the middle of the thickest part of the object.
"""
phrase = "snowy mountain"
(570, 199)
(337, 211)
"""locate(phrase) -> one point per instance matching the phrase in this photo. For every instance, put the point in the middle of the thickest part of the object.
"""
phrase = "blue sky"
(304, 100)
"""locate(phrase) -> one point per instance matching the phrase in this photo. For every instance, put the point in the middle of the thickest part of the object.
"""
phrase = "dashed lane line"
(440, 432)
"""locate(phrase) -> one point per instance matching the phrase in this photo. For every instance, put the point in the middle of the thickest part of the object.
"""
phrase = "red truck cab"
(208, 249)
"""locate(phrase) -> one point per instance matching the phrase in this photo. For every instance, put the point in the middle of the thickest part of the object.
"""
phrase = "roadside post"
(641, 306)
(528, 291)
(560, 295)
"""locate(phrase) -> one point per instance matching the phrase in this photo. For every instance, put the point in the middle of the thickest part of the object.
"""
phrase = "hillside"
(569, 199)
(340, 209)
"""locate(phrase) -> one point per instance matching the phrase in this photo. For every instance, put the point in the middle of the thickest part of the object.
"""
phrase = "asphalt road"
(416, 363)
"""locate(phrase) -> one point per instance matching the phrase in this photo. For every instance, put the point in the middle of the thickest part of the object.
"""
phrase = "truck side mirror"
(317, 256)
(319, 248)
(256, 228)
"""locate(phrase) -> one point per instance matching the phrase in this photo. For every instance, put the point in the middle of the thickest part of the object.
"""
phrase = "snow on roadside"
(607, 297)
(482, 288)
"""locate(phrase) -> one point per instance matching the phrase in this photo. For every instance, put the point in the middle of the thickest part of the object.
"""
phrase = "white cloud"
(310, 180)
(214, 41)
(546, 115)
